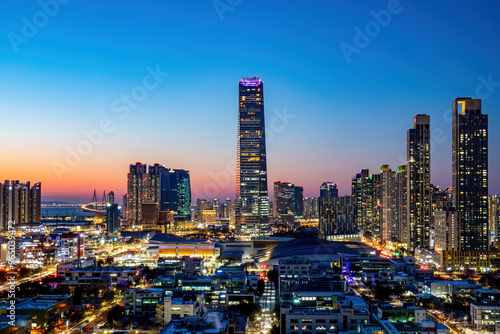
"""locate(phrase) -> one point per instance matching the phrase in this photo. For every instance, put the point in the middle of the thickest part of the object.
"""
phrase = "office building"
(284, 198)
(252, 202)
(299, 201)
(470, 172)
(419, 183)
(171, 189)
(288, 200)
(112, 218)
(310, 207)
(328, 189)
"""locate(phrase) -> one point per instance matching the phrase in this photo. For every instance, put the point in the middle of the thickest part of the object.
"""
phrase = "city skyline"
(312, 140)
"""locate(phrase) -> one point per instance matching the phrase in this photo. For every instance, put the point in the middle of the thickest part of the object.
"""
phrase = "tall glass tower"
(470, 172)
(252, 206)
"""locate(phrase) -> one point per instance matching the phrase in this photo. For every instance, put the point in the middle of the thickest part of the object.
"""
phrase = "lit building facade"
(401, 197)
(494, 217)
(388, 217)
(419, 183)
(138, 190)
(252, 202)
(19, 203)
(470, 172)
(447, 230)
(362, 191)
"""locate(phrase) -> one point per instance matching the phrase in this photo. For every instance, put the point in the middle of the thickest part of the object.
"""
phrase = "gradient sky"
(66, 76)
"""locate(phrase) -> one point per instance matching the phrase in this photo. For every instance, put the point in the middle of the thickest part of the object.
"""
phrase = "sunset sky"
(157, 81)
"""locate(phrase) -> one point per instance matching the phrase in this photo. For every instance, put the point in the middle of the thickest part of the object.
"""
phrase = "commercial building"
(187, 305)
(252, 203)
(288, 199)
(484, 317)
(44, 310)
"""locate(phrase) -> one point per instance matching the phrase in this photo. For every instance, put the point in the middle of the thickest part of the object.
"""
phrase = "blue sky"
(344, 116)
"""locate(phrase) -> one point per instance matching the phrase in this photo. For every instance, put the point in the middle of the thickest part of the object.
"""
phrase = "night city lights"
(250, 167)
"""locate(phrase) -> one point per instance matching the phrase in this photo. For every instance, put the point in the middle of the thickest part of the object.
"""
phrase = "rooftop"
(250, 82)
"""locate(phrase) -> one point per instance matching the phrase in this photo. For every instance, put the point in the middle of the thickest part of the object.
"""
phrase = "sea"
(63, 211)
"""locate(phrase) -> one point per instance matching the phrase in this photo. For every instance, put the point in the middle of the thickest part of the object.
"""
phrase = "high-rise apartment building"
(388, 195)
(447, 230)
(419, 183)
(170, 189)
(252, 206)
(19, 203)
(494, 218)
(337, 216)
(376, 217)
(401, 196)
(470, 172)
(362, 191)
(138, 190)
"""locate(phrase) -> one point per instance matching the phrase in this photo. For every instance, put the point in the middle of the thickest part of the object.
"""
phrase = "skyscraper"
(172, 189)
(252, 206)
(470, 172)
(419, 183)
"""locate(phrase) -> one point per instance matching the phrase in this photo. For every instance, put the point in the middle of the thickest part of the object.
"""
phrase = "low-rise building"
(210, 323)
(408, 312)
(142, 302)
(180, 307)
(484, 316)
(422, 327)
(112, 275)
(45, 310)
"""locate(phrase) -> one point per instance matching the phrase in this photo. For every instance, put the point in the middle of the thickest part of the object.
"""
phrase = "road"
(47, 272)
(93, 320)
(265, 319)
